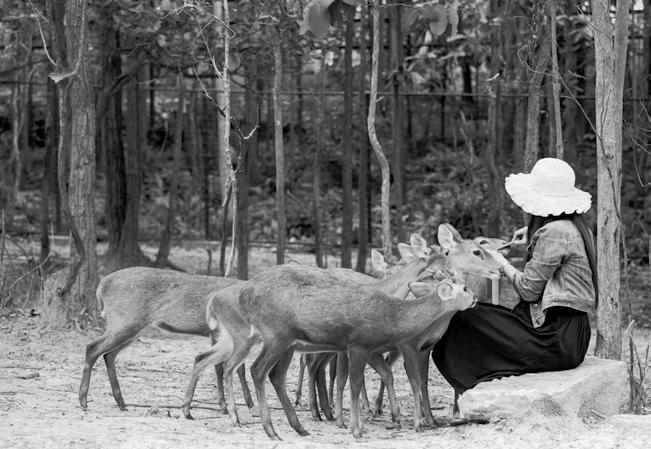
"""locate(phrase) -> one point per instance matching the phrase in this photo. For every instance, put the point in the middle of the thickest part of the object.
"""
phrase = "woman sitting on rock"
(548, 330)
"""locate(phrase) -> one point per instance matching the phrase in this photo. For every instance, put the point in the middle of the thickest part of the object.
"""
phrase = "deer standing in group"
(466, 258)
(416, 352)
(282, 332)
(136, 298)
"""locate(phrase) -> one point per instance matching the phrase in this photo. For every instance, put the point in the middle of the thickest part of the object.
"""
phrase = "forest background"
(468, 92)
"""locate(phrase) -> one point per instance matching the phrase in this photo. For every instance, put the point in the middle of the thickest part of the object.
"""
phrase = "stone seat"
(597, 385)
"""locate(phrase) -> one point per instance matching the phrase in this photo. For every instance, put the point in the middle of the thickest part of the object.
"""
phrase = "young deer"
(325, 316)
(240, 338)
(463, 256)
(135, 298)
(396, 284)
(316, 363)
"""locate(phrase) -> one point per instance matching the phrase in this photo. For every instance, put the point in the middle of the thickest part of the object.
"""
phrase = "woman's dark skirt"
(488, 342)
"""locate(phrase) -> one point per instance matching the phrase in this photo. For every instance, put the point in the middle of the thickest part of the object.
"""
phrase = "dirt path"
(39, 376)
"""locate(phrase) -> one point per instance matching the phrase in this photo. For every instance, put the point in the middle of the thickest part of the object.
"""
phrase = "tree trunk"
(205, 173)
(375, 143)
(533, 109)
(128, 250)
(362, 190)
(164, 248)
(556, 87)
(396, 119)
(347, 148)
(49, 173)
(194, 143)
(109, 130)
(495, 196)
(610, 66)
(244, 167)
(316, 167)
(74, 301)
(279, 150)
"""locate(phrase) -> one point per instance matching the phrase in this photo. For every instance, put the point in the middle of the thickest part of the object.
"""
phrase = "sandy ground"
(40, 372)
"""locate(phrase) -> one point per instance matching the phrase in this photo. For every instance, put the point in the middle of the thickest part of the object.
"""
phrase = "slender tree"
(397, 137)
(347, 147)
(556, 85)
(164, 247)
(73, 299)
(610, 65)
(316, 167)
(372, 134)
(279, 149)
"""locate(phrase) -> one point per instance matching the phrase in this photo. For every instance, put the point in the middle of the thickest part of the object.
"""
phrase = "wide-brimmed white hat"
(548, 189)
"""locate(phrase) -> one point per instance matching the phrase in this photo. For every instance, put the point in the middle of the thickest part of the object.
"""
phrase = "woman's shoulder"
(563, 230)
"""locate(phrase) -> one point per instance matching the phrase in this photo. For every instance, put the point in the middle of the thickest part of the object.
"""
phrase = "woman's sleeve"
(550, 246)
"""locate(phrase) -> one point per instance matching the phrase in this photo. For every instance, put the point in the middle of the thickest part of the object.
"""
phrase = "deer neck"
(418, 314)
(398, 283)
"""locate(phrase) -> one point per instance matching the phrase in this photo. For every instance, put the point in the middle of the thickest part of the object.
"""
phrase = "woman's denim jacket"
(558, 273)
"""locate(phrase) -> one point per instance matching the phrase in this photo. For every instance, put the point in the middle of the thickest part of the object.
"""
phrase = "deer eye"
(476, 252)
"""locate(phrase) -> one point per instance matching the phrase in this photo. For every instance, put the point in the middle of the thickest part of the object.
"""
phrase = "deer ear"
(419, 246)
(420, 289)
(406, 253)
(378, 263)
(444, 290)
(448, 236)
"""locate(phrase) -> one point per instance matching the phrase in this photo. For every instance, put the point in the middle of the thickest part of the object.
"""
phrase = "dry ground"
(40, 372)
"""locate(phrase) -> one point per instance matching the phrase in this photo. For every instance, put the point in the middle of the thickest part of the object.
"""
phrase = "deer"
(136, 298)
(326, 315)
(240, 341)
(396, 284)
(417, 350)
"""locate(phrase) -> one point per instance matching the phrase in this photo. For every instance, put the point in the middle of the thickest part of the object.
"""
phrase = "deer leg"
(342, 377)
(391, 359)
(322, 387)
(278, 378)
(311, 386)
(110, 342)
(365, 404)
(455, 408)
(272, 352)
(331, 385)
(241, 373)
(381, 366)
(219, 373)
(423, 367)
(357, 358)
(410, 357)
(299, 386)
(221, 398)
(232, 408)
(219, 353)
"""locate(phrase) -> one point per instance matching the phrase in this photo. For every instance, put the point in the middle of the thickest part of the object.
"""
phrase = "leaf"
(437, 26)
(453, 17)
(438, 18)
(316, 18)
(409, 17)
(165, 5)
(339, 10)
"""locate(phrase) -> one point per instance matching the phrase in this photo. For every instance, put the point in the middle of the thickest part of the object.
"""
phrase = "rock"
(597, 385)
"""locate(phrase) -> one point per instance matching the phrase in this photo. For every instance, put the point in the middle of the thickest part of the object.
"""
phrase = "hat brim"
(523, 193)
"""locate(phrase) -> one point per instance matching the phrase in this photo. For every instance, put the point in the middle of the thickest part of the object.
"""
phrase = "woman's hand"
(520, 237)
(499, 258)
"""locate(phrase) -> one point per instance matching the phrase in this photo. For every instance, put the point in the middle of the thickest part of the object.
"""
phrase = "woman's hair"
(536, 222)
